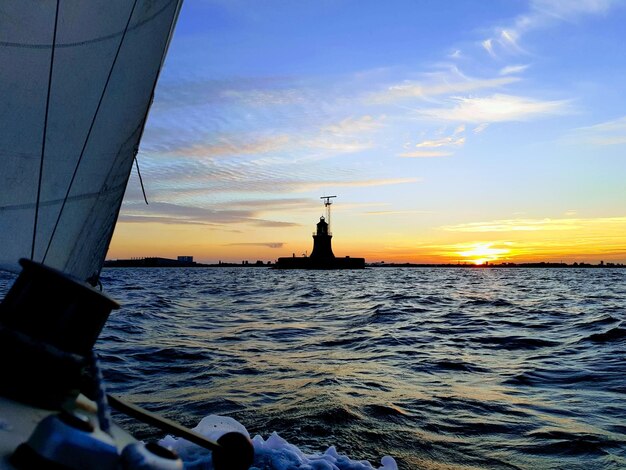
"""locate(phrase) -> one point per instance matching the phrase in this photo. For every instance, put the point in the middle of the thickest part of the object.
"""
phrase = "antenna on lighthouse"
(327, 204)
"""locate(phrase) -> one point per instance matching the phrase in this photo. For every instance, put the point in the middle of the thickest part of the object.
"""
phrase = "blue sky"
(445, 128)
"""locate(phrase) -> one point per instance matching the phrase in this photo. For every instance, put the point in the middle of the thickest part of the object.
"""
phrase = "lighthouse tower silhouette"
(322, 249)
(321, 241)
(322, 256)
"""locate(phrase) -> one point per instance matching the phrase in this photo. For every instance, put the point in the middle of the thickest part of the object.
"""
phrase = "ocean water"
(436, 367)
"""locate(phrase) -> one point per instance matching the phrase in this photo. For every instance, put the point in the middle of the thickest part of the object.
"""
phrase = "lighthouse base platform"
(320, 263)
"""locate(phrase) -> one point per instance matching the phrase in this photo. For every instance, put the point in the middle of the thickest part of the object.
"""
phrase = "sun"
(480, 253)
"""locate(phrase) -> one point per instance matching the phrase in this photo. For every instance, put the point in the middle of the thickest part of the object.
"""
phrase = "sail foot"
(49, 323)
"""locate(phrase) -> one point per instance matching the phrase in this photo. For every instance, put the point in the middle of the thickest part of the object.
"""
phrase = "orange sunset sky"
(461, 132)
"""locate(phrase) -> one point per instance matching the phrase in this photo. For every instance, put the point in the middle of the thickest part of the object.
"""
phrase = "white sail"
(82, 73)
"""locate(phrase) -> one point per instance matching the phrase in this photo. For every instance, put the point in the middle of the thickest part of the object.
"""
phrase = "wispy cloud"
(271, 223)
(265, 244)
(231, 147)
(425, 90)
(397, 212)
(255, 92)
(438, 147)
(269, 205)
(488, 46)
(605, 133)
(443, 142)
(513, 69)
(531, 225)
(278, 186)
(480, 128)
(566, 9)
(371, 182)
(515, 225)
(239, 186)
(495, 108)
(333, 139)
(352, 125)
(334, 147)
(425, 154)
(167, 213)
(146, 219)
(506, 39)
(267, 97)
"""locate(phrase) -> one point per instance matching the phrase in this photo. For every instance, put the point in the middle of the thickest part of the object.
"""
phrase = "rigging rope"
(93, 121)
(143, 190)
(103, 410)
(45, 129)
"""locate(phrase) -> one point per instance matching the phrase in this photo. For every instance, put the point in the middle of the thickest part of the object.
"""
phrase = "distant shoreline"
(497, 265)
(171, 263)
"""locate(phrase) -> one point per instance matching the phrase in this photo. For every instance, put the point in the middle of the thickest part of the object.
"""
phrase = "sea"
(381, 368)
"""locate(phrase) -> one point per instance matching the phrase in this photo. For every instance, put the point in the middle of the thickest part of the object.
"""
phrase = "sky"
(451, 131)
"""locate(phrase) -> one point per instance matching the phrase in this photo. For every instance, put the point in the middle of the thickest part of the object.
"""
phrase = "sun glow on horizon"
(480, 253)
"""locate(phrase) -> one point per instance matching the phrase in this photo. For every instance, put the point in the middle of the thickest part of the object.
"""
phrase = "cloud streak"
(167, 213)
(397, 212)
(439, 147)
(506, 40)
(602, 134)
(226, 147)
(352, 125)
(426, 90)
(425, 154)
(369, 183)
(513, 69)
(495, 108)
(332, 139)
(443, 142)
(534, 225)
(265, 244)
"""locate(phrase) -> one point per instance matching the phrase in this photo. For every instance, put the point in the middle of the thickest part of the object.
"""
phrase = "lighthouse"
(322, 248)
(322, 256)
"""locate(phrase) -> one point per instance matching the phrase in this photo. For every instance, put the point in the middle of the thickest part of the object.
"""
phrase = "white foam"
(273, 453)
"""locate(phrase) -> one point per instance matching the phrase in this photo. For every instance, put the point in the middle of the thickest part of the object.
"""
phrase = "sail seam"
(88, 41)
(156, 78)
(45, 130)
(179, 4)
(53, 202)
(93, 121)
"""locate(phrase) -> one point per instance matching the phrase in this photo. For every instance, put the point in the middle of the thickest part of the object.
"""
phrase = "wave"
(614, 334)
(170, 355)
(273, 453)
(603, 320)
(423, 365)
(515, 342)
(488, 302)
(569, 443)
(458, 366)
(549, 377)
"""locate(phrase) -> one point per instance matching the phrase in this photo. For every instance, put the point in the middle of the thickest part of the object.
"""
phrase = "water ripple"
(439, 368)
